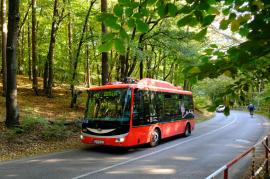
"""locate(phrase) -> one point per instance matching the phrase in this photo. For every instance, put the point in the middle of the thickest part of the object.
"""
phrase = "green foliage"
(141, 26)
(187, 20)
(30, 124)
(39, 127)
(119, 46)
(56, 131)
(118, 10)
(214, 90)
(105, 47)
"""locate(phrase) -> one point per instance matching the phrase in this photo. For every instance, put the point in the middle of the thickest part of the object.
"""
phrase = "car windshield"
(108, 105)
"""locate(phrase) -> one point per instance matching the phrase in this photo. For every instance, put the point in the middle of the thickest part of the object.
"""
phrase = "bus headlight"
(121, 139)
(82, 137)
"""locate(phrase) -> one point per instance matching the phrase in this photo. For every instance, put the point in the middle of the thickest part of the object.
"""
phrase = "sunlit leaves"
(131, 23)
(141, 26)
(228, 73)
(195, 70)
(208, 20)
(123, 34)
(243, 31)
(105, 47)
(213, 10)
(110, 21)
(199, 15)
(128, 12)
(205, 59)
(201, 34)
(118, 10)
(187, 20)
(151, 2)
(203, 5)
(226, 11)
(186, 9)
(235, 25)
(119, 45)
(172, 9)
(163, 10)
(124, 2)
(108, 37)
(224, 24)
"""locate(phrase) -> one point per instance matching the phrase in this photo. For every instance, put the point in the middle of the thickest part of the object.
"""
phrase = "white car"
(220, 108)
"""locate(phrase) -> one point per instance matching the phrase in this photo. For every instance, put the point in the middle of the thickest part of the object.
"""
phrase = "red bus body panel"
(141, 134)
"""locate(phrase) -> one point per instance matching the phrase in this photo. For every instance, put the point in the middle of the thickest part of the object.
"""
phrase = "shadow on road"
(127, 150)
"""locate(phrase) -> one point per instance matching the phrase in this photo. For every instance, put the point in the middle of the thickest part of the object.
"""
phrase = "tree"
(241, 61)
(34, 48)
(75, 63)
(49, 69)
(104, 58)
(12, 110)
(4, 43)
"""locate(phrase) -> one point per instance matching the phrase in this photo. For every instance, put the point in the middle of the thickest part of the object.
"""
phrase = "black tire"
(155, 137)
(187, 131)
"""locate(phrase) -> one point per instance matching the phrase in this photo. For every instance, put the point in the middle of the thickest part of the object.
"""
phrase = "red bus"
(133, 114)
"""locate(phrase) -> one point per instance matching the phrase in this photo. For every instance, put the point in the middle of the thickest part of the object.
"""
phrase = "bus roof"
(145, 84)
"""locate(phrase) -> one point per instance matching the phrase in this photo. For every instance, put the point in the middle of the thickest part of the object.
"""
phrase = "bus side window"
(158, 105)
(137, 111)
(144, 109)
(171, 111)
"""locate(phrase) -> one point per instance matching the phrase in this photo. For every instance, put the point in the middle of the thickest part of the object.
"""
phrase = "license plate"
(98, 142)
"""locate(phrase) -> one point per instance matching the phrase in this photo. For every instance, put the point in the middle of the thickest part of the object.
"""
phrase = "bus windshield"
(109, 105)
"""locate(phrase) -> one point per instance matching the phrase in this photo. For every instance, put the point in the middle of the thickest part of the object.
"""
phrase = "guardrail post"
(253, 163)
(226, 173)
(266, 158)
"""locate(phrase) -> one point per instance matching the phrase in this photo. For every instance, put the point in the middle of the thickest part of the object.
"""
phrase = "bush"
(55, 131)
(38, 128)
(31, 123)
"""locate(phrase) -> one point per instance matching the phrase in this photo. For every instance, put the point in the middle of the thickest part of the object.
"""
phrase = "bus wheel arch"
(187, 130)
(155, 137)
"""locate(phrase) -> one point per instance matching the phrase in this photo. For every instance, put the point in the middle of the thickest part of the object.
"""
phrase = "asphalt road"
(211, 145)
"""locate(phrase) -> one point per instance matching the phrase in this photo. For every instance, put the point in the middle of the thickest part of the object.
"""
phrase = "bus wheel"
(187, 131)
(154, 138)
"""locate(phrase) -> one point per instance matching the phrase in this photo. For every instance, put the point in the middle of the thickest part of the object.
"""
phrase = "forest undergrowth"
(46, 124)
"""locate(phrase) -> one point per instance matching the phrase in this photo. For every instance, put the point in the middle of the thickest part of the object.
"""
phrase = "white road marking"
(243, 141)
(152, 153)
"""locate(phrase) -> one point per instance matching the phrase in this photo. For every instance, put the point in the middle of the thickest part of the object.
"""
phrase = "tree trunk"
(186, 85)
(74, 72)
(88, 79)
(4, 43)
(34, 47)
(141, 69)
(70, 40)
(122, 67)
(12, 110)
(50, 57)
(29, 52)
(104, 59)
(45, 76)
(21, 53)
(57, 18)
